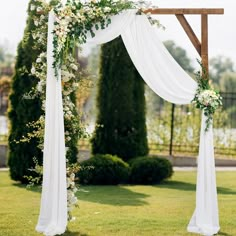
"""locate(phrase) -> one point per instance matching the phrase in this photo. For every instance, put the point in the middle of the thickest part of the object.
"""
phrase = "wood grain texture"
(204, 47)
(182, 11)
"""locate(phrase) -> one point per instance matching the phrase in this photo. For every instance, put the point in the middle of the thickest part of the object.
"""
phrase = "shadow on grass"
(69, 233)
(185, 186)
(223, 234)
(112, 195)
(36, 189)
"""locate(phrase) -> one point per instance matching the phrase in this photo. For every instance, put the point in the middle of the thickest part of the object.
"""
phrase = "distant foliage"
(149, 170)
(121, 128)
(104, 170)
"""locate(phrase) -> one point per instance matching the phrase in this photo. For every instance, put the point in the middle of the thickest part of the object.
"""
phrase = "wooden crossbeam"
(192, 11)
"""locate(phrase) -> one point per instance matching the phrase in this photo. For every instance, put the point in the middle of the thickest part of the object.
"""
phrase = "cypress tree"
(22, 111)
(121, 127)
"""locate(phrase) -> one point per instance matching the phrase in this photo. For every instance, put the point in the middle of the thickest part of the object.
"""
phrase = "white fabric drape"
(205, 219)
(167, 79)
(53, 211)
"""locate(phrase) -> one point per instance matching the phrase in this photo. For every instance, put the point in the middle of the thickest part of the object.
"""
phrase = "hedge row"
(111, 170)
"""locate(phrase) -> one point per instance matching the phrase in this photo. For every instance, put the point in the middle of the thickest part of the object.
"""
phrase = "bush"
(103, 170)
(150, 170)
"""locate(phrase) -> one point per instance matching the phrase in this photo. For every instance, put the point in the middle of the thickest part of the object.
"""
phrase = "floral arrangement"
(74, 21)
(206, 98)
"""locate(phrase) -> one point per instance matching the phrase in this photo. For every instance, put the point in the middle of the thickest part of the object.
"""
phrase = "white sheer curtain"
(53, 211)
(167, 79)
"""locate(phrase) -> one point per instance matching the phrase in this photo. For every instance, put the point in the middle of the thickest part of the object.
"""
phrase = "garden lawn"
(120, 210)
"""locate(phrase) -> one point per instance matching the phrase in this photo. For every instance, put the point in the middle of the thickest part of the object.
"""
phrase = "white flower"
(32, 7)
(39, 9)
(40, 86)
(107, 9)
(72, 176)
(33, 70)
(36, 23)
(38, 60)
(74, 67)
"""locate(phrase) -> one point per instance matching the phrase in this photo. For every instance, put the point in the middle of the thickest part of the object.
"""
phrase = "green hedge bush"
(149, 170)
(104, 170)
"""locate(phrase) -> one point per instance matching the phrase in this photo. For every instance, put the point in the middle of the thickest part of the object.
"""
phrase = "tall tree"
(121, 128)
(22, 111)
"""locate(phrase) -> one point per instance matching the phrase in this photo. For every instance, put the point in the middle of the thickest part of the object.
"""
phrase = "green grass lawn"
(120, 210)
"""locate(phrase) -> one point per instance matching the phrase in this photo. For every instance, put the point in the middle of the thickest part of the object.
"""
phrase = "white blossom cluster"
(72, 200)
(39, 10)
(70, 16)
(206, 98)
(209, 98)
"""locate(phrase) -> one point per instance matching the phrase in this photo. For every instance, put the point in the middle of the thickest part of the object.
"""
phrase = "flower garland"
(206, 98)
(76, 19)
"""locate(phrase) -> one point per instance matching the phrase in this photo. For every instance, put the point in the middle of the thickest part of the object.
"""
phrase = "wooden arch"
(201, 47)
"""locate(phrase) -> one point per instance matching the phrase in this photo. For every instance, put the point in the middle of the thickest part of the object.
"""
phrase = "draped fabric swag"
(167, 79)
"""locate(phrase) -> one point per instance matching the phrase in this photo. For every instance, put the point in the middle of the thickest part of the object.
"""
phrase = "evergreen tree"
(22, 111)
(121, 127)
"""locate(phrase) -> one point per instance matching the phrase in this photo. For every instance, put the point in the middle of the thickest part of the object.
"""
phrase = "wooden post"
(204, 45)
(172, 129)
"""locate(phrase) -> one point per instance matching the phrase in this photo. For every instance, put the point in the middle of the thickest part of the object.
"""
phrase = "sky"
(222, 32)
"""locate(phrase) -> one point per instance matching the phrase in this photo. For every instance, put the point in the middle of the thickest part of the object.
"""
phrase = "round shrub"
(104, 170)
(150, 170)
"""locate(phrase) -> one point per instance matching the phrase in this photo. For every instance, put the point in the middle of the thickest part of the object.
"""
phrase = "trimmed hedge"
(149, 170)
(104, 170)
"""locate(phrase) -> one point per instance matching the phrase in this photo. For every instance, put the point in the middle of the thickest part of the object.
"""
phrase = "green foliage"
(104, 170)
(121, 128)
(23, 111)
(150, 170)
